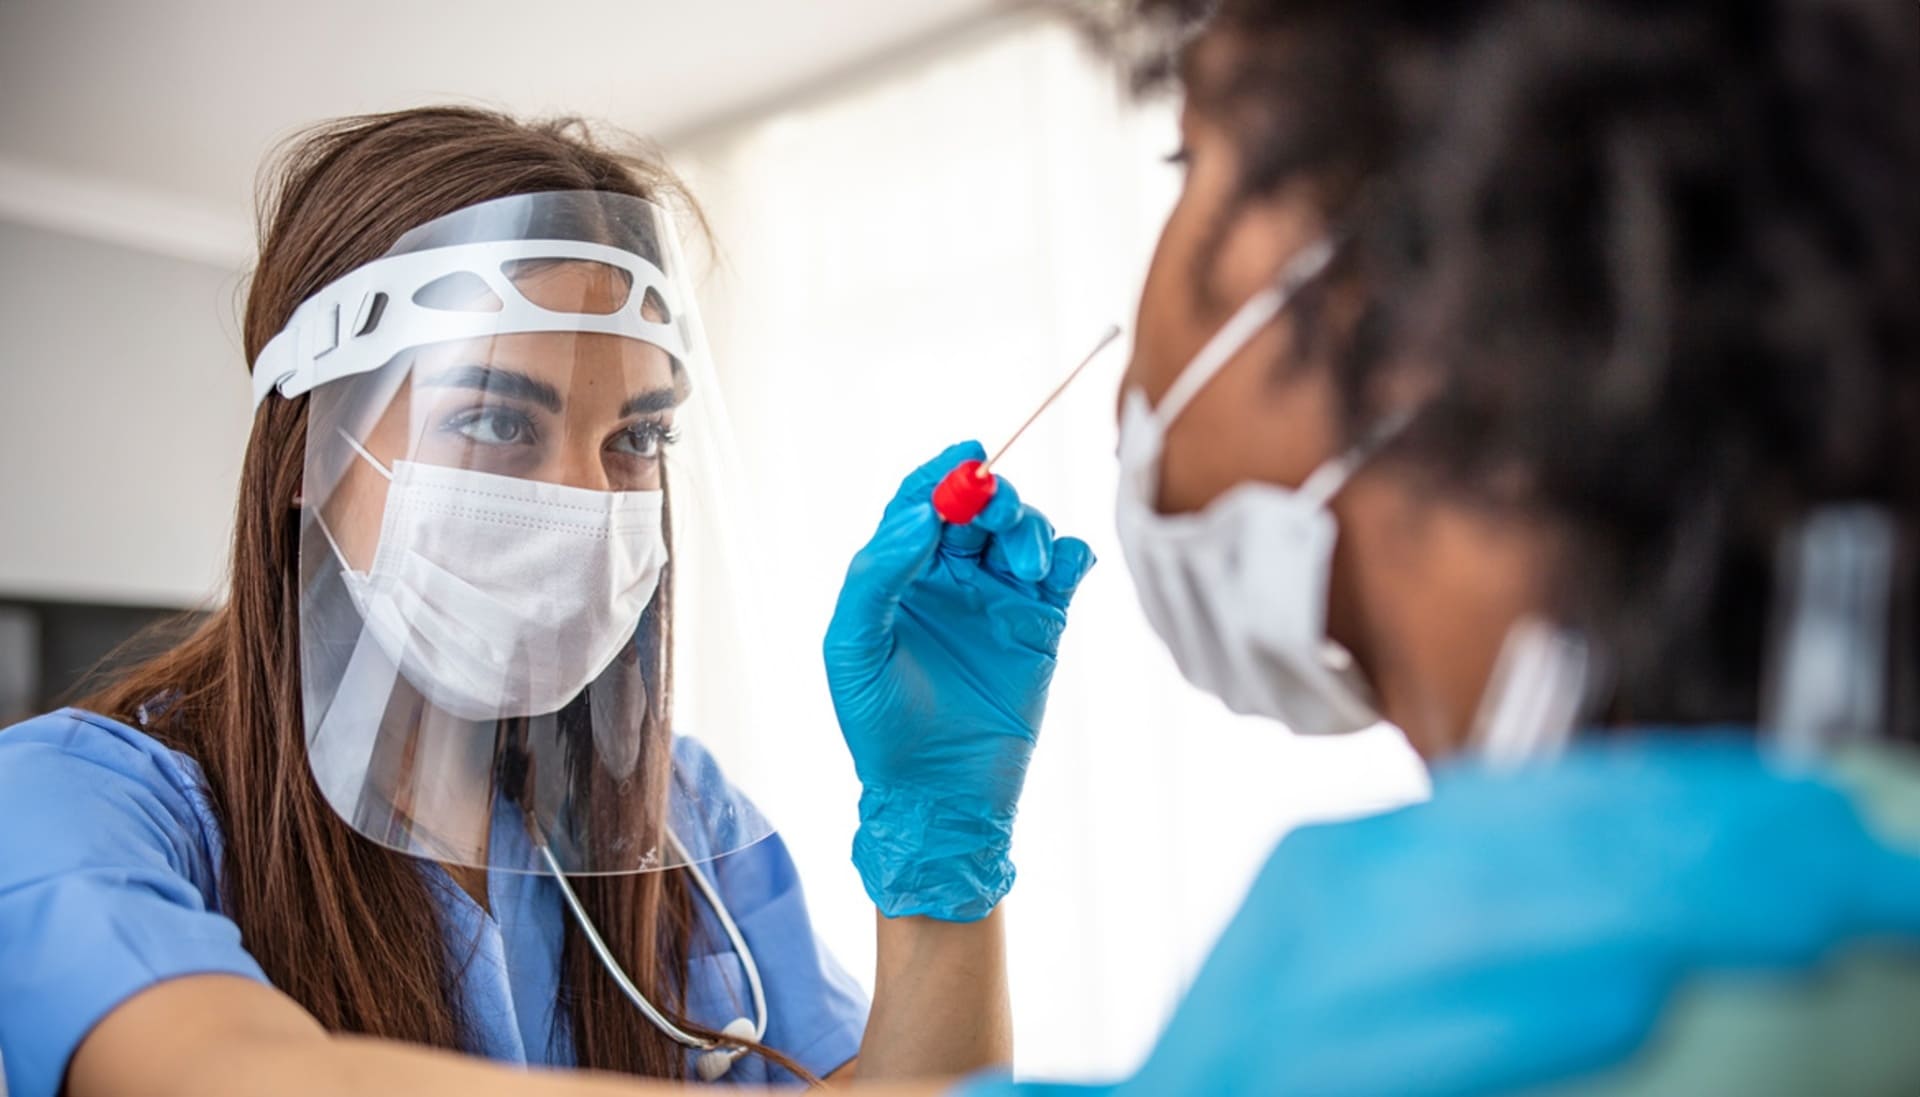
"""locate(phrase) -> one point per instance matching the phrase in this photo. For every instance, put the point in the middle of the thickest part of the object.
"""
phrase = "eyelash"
(664, 434)
(1179, 157)
(642, 433)
(461, 422)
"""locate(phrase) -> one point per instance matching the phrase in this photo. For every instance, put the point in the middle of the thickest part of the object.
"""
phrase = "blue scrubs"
(109, 884)
(1650, 914)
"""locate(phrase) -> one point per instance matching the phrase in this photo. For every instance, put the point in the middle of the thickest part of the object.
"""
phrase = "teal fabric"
(1843, 1028)
(1533, 927)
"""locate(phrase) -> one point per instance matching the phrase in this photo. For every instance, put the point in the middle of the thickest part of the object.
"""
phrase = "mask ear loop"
(1325, 482)
(1828, 675)
(1541, 687)
(320, 520)
(1233, 336)
(364, 455)
(1257, 313)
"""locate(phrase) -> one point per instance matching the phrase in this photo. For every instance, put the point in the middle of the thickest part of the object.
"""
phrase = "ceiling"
(131, 112)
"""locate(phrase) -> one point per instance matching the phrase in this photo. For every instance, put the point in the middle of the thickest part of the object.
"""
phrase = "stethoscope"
(716, 1057)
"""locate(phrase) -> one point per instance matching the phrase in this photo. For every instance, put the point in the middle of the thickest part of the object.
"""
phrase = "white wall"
(123, 412)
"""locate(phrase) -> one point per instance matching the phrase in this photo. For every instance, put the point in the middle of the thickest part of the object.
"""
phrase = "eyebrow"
(495, 379)
(514, 384)
(650, 402)
(665, 398)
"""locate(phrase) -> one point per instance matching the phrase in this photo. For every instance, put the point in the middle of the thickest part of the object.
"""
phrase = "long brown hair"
(335, 920)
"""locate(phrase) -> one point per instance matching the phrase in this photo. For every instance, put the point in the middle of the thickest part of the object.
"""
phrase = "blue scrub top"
(109, 883)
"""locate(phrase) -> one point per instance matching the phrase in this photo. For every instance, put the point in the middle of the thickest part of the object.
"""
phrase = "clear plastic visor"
(497, 467)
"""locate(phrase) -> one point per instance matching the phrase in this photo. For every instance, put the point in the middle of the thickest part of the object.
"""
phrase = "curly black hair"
(1664, 256)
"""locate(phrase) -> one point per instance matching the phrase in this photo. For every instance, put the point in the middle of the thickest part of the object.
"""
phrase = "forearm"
(224, 1036)
(940, 1003)
(349, 1065)
(345, 1066)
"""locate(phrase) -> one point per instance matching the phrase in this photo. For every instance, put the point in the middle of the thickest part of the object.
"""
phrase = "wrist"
(920, 854)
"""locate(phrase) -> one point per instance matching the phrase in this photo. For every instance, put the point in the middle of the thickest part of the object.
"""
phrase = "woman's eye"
(645, 440)
(493, 427)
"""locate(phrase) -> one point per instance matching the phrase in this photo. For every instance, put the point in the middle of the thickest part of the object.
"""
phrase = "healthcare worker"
(414, 788)
(1544, 379)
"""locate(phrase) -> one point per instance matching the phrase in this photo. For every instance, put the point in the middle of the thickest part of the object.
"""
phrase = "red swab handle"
(964, 493)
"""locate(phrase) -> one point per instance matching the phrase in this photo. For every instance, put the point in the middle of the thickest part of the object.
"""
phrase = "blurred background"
(922, 214)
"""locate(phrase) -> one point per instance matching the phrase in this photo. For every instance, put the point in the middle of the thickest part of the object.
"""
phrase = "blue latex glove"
(1522, 928)
(939, 658)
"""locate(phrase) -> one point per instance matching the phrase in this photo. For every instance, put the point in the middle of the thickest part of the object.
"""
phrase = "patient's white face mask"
(1238, 591)
(498, 596)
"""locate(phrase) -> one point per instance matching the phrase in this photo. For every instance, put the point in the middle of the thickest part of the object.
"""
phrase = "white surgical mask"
(498, 596)
(1238, 591)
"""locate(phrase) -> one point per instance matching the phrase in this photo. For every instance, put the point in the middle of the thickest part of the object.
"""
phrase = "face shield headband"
(362, 321)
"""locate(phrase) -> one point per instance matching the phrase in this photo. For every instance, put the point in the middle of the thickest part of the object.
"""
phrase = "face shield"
(511, 419)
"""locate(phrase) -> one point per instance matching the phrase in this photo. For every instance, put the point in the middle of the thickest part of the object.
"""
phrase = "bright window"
(909, 262)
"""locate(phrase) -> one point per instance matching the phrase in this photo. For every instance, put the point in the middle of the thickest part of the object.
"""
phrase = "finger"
(1000, 513)
(1025, 551)
(1003, 510)
(919, 484)
(1072, 560)
(881, 572)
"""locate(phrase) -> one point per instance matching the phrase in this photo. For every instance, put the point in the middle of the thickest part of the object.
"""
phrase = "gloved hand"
(939, 658)
(1522, 928)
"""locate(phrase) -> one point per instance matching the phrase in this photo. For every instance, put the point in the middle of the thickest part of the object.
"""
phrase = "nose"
(582, 464)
